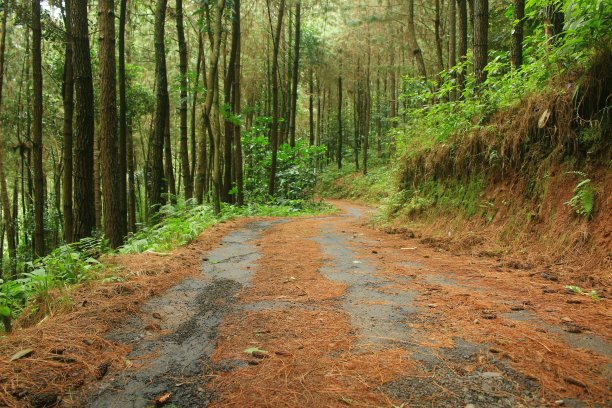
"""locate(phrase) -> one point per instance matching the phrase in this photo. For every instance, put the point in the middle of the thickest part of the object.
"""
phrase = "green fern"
(583, 201)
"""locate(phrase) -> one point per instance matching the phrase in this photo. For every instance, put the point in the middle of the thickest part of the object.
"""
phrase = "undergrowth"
(32, 291)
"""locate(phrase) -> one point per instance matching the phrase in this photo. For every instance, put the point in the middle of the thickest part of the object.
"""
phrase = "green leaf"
(5, 311)
(252, 350)
(21, 354)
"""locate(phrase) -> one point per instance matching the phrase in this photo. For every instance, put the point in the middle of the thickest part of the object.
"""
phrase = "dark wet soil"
(179, 362)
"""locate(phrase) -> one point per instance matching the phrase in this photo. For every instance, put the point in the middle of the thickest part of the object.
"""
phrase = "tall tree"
(311, 122)
(516, 50)
(84, 212)
(296, 72)
(7, 218)
(229, 83)
(114, 217)
(180, 30)
(462, 44)
(123, 120)
(339, 154)
(157, 186)
(129, 142)
(481, 39)
(414, 44)
(215, 36)
(452, 40)
(275, 111)
(68, 97)
(37, 129)
(236, 103)
(438, 36)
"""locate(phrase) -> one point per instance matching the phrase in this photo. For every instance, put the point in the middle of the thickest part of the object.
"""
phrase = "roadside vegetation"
(522, 156)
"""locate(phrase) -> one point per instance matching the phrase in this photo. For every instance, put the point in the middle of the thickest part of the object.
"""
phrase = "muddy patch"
(589, 341)
(377, 313)
(175, 335)
(462, 375)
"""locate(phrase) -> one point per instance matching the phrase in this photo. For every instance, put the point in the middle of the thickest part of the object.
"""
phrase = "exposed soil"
(326, 311)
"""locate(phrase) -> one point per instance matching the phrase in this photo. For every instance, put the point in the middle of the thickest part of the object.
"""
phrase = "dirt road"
(326, 312)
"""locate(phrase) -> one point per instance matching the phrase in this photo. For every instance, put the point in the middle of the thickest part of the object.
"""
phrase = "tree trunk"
(194, 105)
(366, 114)
(462, 45)
(170, 181)
(84, 212)
(339, 155)
(438, 35)
(553, 22)
(68, 97)
(9, 225)
(452, 41)
(236, 102)
(97, 183)
(412, 39)
(516, 50)
(157, 186)
(229, 83)
(114, 217)
(123, 123)
(311, 125)
(481, 34)
(180, 30)
(208, 118)
(296, 73)
(275, 113)
(37, 129)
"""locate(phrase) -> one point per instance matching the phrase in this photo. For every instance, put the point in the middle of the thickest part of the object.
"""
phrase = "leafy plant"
(576, 289)
(583, 200)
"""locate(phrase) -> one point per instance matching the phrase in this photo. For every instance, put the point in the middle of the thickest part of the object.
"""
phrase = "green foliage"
(583, 200)
(295, 172)
(66, 265)
(183, 222)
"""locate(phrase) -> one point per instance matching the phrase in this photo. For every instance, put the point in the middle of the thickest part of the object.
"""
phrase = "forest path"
(325, 311)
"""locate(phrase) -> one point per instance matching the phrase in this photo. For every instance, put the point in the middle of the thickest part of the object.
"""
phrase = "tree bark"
(275, 113)
(462, 45)
(68, 99)
(237, 106)
(481, 38)
(311, 123)
(114, 217)
(296, 73)
(185, 168)
(8, 221)
(438, 35)
(157, 186)
(37, 129)
(228, 88)
(84, 212)
(194, 105)
(452, 42)
(516, 50)
(412, 39)
(123, 123)
(339, 154)
(215, 37)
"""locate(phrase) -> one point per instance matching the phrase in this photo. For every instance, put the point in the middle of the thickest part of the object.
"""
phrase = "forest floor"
(327, 311)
